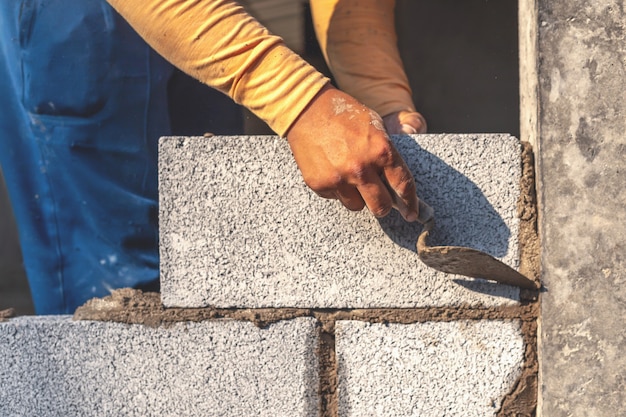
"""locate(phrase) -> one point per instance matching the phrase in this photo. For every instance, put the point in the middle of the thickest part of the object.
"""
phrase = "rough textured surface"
(240, 228)
(133, 306)
(582, 166)
(52, 366)
(428, 369)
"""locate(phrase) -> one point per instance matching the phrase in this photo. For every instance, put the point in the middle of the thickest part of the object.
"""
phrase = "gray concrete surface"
(582, 166)
(462, 368)
(240, 228)
(52, 366)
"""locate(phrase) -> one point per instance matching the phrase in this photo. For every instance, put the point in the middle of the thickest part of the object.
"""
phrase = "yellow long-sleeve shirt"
(218, 43)
(359, 42)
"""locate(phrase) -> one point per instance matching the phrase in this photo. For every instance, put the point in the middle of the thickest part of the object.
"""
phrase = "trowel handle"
(426, 212)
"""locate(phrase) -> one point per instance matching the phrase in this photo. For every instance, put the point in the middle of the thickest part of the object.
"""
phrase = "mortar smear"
(132, 306)
(527, 212)
(7, 314)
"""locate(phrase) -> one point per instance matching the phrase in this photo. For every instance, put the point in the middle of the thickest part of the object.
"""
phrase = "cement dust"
(376, 121)
(340, 106)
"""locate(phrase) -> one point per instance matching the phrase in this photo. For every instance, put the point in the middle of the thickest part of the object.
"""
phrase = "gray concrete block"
(461, 368)
(240, 228)
(53, 366)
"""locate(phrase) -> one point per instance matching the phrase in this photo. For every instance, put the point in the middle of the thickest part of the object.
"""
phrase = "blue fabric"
(82, 105)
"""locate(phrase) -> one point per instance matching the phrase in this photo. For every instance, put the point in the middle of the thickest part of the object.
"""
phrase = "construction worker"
(84, 102)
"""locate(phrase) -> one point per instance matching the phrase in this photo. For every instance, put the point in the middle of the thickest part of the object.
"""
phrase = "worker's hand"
(343, 152)
(405, 122)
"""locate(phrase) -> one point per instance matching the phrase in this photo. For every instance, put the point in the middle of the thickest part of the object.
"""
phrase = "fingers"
(413, 120)
(382, 184)
(405, 122)
(372, 191)
(350, 198)
(376, 195)
(381, 191)
(408, 129)
(401, 186)
(371, 194)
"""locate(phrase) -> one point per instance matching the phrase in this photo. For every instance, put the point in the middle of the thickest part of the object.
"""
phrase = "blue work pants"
(82, 104)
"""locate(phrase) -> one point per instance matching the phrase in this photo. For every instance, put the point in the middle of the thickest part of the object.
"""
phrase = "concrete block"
(461, 368)
(239, 228)
(53, 366)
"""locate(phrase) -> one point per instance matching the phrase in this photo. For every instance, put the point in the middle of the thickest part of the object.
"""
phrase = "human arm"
(359, 43)
(217, 42)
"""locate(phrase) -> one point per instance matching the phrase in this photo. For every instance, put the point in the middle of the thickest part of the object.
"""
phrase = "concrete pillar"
(573, 77)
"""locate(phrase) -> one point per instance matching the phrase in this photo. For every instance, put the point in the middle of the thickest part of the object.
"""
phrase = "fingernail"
(426, 212)
(408, 129)
(411, 217)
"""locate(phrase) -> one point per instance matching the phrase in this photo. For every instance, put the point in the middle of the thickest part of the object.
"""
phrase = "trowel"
(460, 260)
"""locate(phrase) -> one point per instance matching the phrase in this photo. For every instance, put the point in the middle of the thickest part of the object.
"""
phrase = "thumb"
(408, 122)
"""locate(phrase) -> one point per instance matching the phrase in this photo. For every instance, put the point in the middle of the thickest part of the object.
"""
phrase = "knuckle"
(355, 205)
(383, 154)
(322, 184)
(354, 172)
(358, 174)
(381, 210)
(405, 186)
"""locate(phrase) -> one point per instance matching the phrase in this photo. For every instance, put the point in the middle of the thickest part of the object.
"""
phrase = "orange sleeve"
(359, 42)
(218, 43)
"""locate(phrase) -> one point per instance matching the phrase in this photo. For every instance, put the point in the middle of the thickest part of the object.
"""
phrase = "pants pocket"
(67, 56)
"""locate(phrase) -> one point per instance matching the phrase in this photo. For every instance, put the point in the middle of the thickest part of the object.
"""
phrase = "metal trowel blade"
(468, 262)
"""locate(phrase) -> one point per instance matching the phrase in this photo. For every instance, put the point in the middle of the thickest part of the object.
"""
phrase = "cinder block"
(461, 368)
(239, 228)
(53, 366)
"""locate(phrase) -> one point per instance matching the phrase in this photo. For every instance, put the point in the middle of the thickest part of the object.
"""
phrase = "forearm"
(359, 42)
(218, 43)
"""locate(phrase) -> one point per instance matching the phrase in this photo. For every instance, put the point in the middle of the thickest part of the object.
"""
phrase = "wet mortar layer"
(521, 401)
(527, 212)
(135, 307)
(329, 380)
